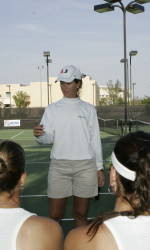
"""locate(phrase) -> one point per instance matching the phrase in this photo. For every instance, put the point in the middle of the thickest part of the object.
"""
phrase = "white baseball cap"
(69, 73)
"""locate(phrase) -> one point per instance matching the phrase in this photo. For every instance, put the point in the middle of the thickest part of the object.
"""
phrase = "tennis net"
(117, 127)
(135, 125)
(110, 126)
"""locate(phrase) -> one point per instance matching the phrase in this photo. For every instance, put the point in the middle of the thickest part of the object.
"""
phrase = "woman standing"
(76, 166)
(20, 229)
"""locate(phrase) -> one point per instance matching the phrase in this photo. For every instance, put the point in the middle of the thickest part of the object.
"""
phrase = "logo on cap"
(64, 71)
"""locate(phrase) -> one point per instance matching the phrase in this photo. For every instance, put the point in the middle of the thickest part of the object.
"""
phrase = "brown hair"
(81, 82)
(12, 165)
(133, 151)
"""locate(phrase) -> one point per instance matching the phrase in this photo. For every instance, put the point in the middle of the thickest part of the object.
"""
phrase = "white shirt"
(71, 125)
(130, 234)
(11, 220)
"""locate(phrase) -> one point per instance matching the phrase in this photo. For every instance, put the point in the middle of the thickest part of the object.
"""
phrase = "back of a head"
(133, 152)
(131, 160)
(12, 164)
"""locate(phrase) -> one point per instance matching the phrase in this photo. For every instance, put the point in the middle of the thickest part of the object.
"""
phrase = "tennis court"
(34, 195)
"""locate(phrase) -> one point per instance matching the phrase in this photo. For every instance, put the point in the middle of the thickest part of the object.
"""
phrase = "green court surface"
(34, 197)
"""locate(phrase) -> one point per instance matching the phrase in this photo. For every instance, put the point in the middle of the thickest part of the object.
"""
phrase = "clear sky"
(74, 34)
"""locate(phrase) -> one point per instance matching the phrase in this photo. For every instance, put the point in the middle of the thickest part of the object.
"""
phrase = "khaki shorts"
(72, 177)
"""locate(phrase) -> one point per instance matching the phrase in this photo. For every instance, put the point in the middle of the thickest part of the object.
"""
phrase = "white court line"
(33, 195)
(26, 138)
(39, 145)
(72, 219)
(39, 162)
(45, 195)
(17, 134)
(45, 162)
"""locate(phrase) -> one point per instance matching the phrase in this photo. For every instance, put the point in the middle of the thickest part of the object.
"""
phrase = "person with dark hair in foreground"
(127, 227)
(20, 229)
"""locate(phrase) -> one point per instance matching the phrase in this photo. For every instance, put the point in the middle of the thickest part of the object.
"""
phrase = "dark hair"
(12, 165)
(81, 82)
(133, 151)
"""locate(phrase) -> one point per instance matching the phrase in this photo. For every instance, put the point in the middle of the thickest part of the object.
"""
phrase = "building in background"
(37, 91)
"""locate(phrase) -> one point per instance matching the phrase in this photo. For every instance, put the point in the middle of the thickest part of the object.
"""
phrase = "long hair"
(133, 151)
(12, 165)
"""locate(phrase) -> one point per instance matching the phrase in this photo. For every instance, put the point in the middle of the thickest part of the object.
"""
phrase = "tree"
(146, 100)
(115, 92)
(22, 99)
(1, 103)
(103, 101)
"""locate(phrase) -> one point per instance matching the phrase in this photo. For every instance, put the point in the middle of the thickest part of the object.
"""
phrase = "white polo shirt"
(71, 125)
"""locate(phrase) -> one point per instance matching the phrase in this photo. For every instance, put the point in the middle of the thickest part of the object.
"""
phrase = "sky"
(74, 34)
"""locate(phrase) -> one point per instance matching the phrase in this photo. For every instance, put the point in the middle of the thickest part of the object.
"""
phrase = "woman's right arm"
(44, 132)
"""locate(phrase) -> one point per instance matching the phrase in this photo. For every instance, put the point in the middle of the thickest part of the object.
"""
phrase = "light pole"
(123, 61)
(133, 86)
(47, 55)
(40, 68)
(131, 53)
(134, 7)
(9, 91)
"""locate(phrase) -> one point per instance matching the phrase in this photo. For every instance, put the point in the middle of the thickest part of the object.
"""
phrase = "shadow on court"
(35, 199)
(39, 205)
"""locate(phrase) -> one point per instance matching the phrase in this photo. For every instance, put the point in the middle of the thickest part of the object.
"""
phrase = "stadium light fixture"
(46, 53)
(100, 8)
(132, 7)
(135, 8)
(133, 53)
(122, 60)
